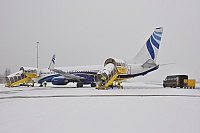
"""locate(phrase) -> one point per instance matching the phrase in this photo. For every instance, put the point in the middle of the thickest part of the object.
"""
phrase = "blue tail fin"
(150, 49)
(52, 63)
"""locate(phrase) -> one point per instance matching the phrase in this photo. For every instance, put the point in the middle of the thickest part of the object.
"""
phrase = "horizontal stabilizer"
(166, 64)
(149, 63)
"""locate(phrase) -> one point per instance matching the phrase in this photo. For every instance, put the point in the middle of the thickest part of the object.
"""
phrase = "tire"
(79, 84)
(174, 86)
(93, 84)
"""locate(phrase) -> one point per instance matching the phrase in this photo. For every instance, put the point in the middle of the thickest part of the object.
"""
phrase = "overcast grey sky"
(83, 32)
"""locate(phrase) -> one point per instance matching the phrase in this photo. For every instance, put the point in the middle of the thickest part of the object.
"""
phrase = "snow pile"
(113, 113)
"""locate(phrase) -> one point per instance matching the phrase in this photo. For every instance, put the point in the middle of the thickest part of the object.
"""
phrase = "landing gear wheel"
(79, 84)
(93, 84)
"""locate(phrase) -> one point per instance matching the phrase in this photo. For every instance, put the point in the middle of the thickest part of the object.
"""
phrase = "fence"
(2, 80)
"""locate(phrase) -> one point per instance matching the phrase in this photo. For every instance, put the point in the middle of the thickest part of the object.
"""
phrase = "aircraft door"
(128, 69)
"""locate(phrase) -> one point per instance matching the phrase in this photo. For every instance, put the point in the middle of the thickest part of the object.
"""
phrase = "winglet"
(52, 63)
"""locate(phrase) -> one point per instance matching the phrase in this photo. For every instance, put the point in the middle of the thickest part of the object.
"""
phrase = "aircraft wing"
(67, 75)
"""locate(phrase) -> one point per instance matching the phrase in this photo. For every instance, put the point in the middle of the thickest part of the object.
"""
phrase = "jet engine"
(59, 81)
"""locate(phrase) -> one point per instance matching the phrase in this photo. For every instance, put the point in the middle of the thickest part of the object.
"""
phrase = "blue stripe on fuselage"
(89, 76)
(48, 78)
(138, 74)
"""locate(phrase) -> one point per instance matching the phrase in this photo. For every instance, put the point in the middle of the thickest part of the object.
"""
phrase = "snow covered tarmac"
(139, 107)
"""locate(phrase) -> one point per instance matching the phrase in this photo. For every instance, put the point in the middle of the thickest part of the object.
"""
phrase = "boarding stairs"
(111, 78)
(20, 77)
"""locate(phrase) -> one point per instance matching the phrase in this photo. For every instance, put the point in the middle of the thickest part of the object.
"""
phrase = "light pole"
(37, 54)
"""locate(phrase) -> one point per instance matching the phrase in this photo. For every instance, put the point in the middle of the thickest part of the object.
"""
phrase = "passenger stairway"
(112, 69)
(22, 76)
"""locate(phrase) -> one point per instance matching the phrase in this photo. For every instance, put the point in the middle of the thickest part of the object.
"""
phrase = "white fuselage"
(132, 69)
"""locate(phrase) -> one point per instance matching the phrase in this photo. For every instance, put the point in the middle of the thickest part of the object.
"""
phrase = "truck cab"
(174, 81)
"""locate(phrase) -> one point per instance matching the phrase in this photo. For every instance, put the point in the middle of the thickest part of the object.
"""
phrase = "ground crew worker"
(24, 83)
(119, 84)
(33, 84)
(103, 79)
(112, 85)
(45, 83)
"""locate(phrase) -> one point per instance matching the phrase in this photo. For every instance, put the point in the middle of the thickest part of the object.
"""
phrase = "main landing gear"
(80, 84)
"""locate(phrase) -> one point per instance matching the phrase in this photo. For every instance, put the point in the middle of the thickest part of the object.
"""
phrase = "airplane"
(143, 63)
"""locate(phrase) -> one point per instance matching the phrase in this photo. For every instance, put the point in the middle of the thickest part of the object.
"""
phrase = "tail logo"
(53, 59)
(154, 41)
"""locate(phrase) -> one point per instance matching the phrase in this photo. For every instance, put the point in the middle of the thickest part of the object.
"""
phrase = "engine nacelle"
(59, 81)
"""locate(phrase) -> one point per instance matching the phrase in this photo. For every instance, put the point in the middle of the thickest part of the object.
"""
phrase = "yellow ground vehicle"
(174, 81)
(181, 81)
(190, 83)
(23, 77)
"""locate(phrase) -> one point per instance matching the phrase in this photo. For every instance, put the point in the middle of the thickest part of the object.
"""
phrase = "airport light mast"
(37, 54)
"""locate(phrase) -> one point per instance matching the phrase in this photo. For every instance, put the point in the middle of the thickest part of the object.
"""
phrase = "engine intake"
(59, 81)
